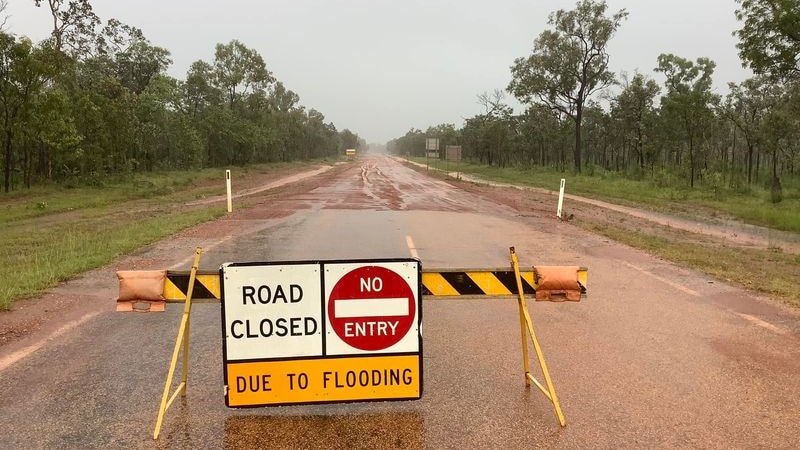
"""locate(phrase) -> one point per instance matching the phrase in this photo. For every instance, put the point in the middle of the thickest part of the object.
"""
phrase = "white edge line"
(763, 324)
(13, 358)
(677, 286)
(411, 247)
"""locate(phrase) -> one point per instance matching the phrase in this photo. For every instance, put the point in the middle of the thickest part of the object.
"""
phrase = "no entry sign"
(321, 331)
(370, 308)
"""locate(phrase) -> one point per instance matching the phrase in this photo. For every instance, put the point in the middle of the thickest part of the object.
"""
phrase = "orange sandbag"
(141, 286)
(557, 283)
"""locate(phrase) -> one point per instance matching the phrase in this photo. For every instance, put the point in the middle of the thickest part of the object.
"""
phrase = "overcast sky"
(381, 67)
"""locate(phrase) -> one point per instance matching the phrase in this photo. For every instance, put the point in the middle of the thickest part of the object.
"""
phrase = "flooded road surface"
(656, 357)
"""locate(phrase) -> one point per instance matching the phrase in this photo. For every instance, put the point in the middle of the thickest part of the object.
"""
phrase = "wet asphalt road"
(656, 357)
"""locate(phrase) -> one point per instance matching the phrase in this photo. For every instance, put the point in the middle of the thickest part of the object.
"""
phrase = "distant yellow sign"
(350, 152)
(323, 380)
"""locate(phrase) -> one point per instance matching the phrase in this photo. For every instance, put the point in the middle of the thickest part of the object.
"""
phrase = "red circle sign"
(371, 308)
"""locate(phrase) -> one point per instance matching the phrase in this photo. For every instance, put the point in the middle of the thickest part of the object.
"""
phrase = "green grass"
(662, 194)
(767, 271)
(71, 250)
(52, 233)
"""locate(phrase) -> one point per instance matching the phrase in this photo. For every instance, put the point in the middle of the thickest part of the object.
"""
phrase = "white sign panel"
(272, 311)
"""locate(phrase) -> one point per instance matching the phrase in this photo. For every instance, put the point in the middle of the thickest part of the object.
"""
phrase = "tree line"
(95, 99)
(681, 132)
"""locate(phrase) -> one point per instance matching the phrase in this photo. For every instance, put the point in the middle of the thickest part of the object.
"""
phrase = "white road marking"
(752, 319)
(763, 324)
(411, 247)
(664, 280)
(8, 360)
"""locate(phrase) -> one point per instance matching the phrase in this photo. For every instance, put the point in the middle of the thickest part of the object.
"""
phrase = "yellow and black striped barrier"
(206, 286)
(435, 283)
(188, 287)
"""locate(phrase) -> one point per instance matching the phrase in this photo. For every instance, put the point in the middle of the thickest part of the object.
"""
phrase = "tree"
(747, 105)
(569, 63)
(282, 99)
(130, 56)
(688, 100)
(770, 37)
(3, 6)
(348, 139)
(23, 72)
(239, 70)
(633, 107)
(73, 26)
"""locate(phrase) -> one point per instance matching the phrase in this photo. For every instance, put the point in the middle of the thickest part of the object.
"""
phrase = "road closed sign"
(321, 332)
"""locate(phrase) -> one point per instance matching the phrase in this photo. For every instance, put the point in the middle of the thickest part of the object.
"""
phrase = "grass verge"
(54, 233)
(767, 271)
(751, 205)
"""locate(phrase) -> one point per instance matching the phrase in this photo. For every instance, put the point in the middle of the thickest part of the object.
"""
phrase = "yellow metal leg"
(525, 319)
(183, 338)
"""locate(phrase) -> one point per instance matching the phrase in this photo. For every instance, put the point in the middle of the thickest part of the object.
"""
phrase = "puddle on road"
(376, 430)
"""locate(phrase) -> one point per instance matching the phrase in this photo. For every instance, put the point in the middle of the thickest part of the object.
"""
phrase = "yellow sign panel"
(323, 380)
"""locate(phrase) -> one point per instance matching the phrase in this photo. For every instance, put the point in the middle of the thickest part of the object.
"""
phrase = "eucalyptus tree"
(634, 109)
(348, 139)
(412, 143)
(568, 63)
(688, 100)
(282, 99)
(601, 139)
(487, 136)
(746, 106)
(3, 15)
(24, 70)
(778, 131)
(239, 71)
(133, 60)
(74, 23)
(770, 37)
(542, 137)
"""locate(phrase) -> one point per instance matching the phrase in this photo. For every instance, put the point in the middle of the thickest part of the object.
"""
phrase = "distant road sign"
(431, 143)
(324, 331)
(453, 152)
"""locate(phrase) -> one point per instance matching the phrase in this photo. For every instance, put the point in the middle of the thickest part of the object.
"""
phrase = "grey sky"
(381, 67)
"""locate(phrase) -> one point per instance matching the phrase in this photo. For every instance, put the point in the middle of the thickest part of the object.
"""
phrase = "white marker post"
(561, 198)
(228, 186)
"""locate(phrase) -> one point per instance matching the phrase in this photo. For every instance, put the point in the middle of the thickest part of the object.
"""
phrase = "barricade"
(545, 283)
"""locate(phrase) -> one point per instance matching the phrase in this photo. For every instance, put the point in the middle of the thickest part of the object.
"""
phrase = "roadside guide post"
(228, 187)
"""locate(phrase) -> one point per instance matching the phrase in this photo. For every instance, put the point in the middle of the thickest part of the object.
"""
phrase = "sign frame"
(393, 382)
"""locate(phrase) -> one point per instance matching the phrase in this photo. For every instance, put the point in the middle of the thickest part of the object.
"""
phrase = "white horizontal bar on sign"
(370, 307)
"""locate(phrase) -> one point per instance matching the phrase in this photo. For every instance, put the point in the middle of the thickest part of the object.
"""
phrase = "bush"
(663, 178)
(714, 182)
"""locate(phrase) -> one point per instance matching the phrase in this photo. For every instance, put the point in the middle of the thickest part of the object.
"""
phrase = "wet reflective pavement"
(656, 357)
